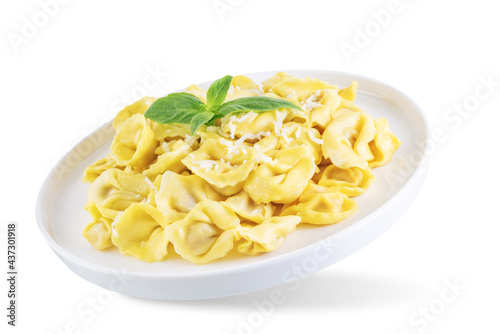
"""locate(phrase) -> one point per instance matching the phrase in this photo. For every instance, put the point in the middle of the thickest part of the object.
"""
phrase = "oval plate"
(61, 217)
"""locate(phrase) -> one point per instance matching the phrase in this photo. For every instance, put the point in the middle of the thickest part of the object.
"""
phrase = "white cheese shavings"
(226, 142)
(238, 145)
(284, 134)
(255, 212)
(146, 200)
(314, 139)
(212, 128)
(232, 127)
(245, 117)
(206, 165)
(298, 132)
(151, 184)
(258, 136)
(261, 157)
(113, 228)
(190, 140)
(165, 147)
(311, 103)
(278, 124)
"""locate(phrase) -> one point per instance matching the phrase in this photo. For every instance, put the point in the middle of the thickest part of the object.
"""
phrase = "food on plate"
(236, 167)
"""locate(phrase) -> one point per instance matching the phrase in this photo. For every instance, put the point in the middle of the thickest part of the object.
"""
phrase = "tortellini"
(221, 163)
(283, 85)
(134, 144)
(245, 207)
(140, 231)
(179, 194)
(346, 140)
(169, 159)
(238, 186)
(267, 236)
(116, 190)
(138, 107)
(321, 205)
(351, 181)
(98, 232)
(283, 178)
(93, 171)
(384, 144)
(205, 234)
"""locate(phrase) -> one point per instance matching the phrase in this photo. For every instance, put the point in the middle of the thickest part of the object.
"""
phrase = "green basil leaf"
(218, 91)
(200, 119)
(253, 103)
(175, 108)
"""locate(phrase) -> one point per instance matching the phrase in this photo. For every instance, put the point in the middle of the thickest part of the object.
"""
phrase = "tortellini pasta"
(116, 190)
(98, 232)
(206, 233)
(321, 205)
(347, 138)
(238, 186)
(134, 144)
(93, 171)
(140, 231)
(282, 179)
(138, 107)
(351, 181)
(267, 236)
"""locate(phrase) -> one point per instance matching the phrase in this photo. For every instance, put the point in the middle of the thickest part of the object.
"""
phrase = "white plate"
(61, 217)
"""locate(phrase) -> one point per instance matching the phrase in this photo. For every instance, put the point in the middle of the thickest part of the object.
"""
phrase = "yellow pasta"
(321, 205)
(283, 178)
(267, 236)
(351, 181)
(134, 144)
(140, 231)
(98, 232)
(138, 107)
(241, 184)
(205, 234)
(93, 171)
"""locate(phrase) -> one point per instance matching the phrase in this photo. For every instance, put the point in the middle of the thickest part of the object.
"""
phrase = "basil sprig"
(185, 108)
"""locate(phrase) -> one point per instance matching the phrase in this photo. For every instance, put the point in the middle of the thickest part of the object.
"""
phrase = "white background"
(61, 81)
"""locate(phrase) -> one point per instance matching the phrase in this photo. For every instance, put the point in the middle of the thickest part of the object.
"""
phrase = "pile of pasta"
(244, 184)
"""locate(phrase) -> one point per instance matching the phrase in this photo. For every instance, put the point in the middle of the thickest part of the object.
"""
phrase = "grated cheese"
(226, 142)
(261, 157)
(278, 124)
(284, 134)
(298, 132)
(232, 127)
(314, 139)
(113, 228)
(255, 212)
(206, 165)
(190, 140)
(151, 184)
(310, 103)
(238, 145)
(165, 147)
(245, 117)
